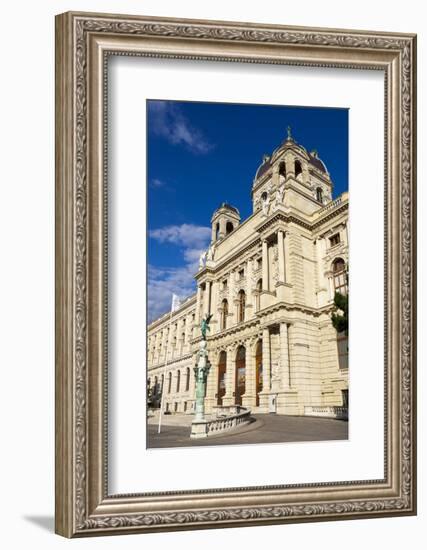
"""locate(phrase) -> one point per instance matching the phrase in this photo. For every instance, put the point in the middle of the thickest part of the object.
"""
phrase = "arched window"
(217, 232)
(264, 196)
(187, 379)
(282, 169)
(169, 382)
(224, 314)
(242, 303)
(229, 228)
(156, 386)
(240, 374)
(178, 380)
(319, 195)
(298, 168)
(340, 276)
(162, 382)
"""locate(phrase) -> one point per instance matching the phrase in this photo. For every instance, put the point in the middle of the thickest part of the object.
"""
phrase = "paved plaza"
(264, 428)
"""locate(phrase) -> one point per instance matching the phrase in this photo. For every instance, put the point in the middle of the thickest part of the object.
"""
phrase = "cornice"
(170, 363)
(166, 317)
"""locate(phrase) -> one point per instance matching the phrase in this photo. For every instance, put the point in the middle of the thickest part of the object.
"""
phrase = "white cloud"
(165, 281)
(168, 121)
(156, 182)
(187, 235)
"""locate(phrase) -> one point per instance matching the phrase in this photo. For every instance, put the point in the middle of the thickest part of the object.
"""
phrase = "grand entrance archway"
(258, 371)
(240, 374)
(222, 368)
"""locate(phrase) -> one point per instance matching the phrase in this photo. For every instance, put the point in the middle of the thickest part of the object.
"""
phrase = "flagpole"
(165, 368)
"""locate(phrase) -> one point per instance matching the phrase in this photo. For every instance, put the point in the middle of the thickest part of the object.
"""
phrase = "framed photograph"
(235, 274)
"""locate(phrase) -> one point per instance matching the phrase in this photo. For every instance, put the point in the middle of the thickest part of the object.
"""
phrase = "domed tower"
(224, 220)
(291, 176)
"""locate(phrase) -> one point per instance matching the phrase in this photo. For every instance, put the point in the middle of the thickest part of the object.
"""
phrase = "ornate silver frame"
(83, 505)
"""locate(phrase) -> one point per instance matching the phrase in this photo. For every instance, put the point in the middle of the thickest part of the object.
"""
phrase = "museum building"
(269, 282)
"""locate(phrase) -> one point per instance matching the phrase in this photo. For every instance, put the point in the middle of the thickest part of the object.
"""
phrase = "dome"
(228, 207)
(289, 142)
(317, 163)
(263, 168)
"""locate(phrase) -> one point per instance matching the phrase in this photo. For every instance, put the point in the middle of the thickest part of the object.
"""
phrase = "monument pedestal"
(199, 429)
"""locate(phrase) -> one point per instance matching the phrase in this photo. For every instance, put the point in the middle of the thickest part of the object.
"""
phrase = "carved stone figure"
(210, 253)
(265, 205)
(275, 371)
(202, 260)
(280, 194)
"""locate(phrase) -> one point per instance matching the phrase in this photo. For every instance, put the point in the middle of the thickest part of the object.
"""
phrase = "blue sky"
(201, 154)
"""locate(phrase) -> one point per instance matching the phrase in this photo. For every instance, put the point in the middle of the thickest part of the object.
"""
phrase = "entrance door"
(222, 368)
(258, 370)
(240, 375)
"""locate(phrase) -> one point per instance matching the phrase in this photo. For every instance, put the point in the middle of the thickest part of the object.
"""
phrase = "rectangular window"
(224, 284)
(259, 263)
(335, 239)
(241, 273)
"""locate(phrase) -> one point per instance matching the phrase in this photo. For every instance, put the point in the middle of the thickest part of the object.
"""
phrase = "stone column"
(286, 253)
(281, 258)
(265, 276)
(178, 347)
(231, 308)
(319, 254)
(344, 233)
(165, 345)
(290, 165)
(198, 301)
(250, 306)
(212, 382)
(222, 225)
(275, 175)
(155, 357)
(207, 298)
(230, 377)
(305, 173)
(266, 361)
(214, 307)
(331, 287)
(249, 397)
(284, 356)
(213, 233)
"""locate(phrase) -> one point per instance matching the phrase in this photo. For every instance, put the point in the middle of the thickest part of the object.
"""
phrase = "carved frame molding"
(83, 43)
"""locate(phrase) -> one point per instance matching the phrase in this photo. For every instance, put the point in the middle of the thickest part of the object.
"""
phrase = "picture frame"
(84, 506)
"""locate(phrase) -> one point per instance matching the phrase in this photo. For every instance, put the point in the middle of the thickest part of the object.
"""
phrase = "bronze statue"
(204, 326)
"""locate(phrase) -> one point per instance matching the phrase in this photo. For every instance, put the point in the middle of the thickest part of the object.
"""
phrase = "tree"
(340, 315)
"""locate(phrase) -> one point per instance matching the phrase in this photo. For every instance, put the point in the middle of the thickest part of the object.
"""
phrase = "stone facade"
(269, 282)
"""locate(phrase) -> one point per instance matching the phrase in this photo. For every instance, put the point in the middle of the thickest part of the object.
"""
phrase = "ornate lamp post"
(199, 425)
